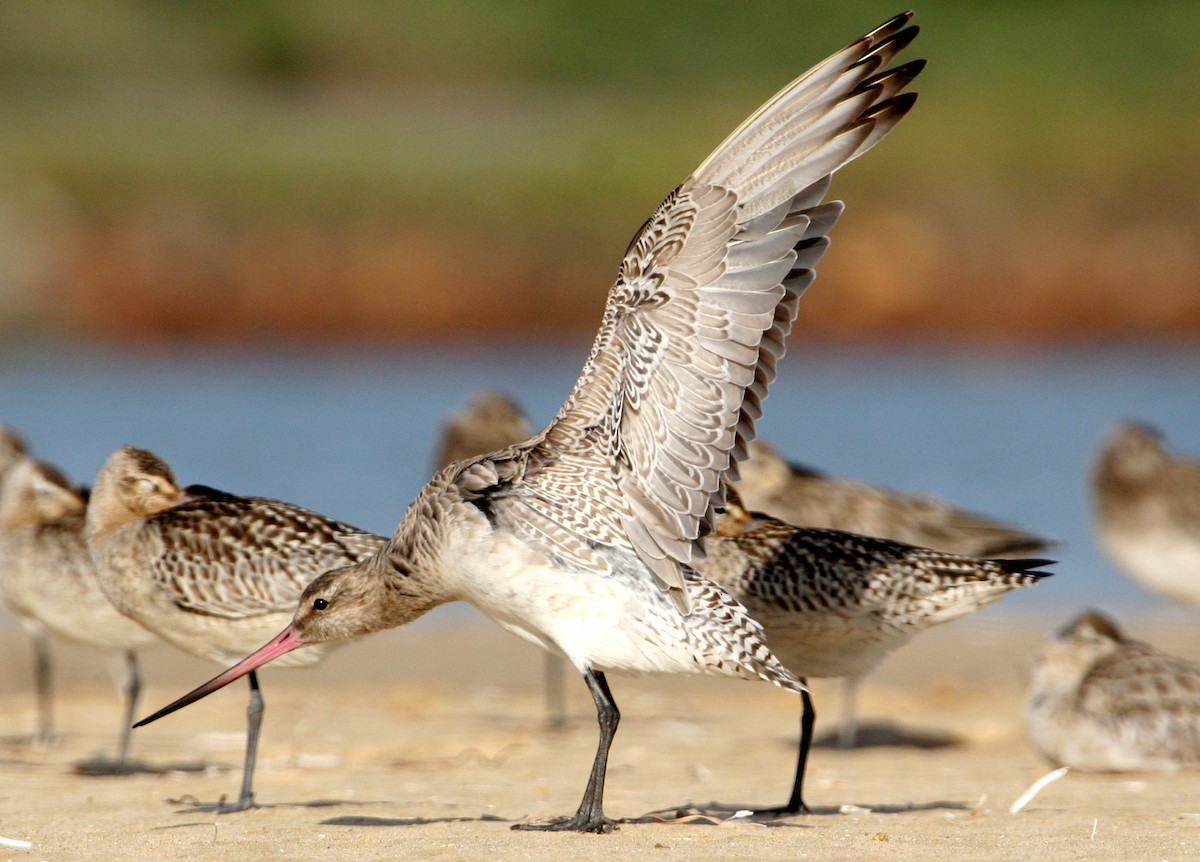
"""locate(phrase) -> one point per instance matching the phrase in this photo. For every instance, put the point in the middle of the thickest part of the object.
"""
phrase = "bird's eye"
(320, 604)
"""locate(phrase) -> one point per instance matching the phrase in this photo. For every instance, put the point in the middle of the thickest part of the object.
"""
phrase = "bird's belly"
(823, 645)
(1162, 559)
(605, 621)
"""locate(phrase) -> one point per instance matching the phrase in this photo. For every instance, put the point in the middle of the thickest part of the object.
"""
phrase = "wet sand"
(426, 743)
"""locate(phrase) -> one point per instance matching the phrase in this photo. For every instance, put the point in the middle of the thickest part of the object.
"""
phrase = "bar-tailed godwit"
(490, 420)
(212, 573)
(1147, 511)
(834, 604)
(793, 494)
(49, 584)
(1101, 702)
(803, 496)
(582, 538)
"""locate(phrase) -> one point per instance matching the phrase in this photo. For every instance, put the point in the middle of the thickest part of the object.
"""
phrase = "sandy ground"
(423, 743)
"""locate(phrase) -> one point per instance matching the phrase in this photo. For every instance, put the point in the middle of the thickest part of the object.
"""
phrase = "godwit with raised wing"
(1147, 511)
(581, 539)
(48, 582)
(1101, 702)
(212, 573)
(793, 494)
(834, 603)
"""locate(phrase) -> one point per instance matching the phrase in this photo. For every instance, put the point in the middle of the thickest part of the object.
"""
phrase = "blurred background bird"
(1100, 701)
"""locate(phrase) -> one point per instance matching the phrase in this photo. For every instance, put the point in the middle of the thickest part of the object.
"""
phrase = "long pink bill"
(284, 642)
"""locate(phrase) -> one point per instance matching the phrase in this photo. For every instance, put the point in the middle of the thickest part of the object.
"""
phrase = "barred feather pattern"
(1102, 702)
(215, 574)
(835, 603)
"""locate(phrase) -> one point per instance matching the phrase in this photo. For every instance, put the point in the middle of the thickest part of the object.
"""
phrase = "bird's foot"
(778, 811)
(591, 822)
(245, 803)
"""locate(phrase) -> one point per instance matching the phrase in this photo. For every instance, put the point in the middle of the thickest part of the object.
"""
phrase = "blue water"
(351, 434)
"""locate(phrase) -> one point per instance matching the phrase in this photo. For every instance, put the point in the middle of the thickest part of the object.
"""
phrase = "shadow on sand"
(882, 734)
(105, 767)
(717, 813)
(198, 807)
(411, 821)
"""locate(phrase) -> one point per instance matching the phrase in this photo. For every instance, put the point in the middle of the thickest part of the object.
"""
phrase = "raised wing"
(240, 557)
(697, 319)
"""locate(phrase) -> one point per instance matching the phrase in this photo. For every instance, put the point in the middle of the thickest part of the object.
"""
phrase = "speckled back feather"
(235, 557)
(834, 603)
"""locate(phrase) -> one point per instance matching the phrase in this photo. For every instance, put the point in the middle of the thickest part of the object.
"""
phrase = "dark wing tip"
(896, 106)
(891, 26)
(1026, 566)
(901, 76)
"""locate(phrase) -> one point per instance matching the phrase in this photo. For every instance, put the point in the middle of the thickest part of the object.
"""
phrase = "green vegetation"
(565, 122)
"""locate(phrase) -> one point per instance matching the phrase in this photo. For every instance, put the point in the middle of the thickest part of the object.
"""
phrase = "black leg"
(556, 701)
(133, 689)
(590, 816)
(808, 718)
(795, 804)
(43, 684)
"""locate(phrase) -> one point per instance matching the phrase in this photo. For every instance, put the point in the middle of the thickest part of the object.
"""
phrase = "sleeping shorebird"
(491, 420)
(212, 573)
(1147, 511)
(48, 582)
(802, 495)
(834, 604)
(581, 539)
(1101, 702)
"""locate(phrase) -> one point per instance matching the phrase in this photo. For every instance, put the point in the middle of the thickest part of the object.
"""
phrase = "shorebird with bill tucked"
(795, 495)
(1100, 701)
(210, 572)
(804, 496)
(48, 582)
(835, 604)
